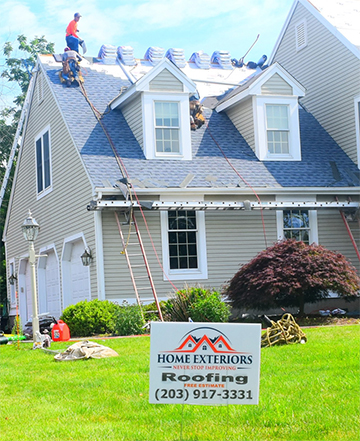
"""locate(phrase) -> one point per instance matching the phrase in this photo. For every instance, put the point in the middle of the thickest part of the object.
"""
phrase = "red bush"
(292, 273)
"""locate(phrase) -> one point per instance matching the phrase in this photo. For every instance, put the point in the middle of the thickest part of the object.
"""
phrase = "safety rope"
(242, 178)
(284, 331)
(125, 174)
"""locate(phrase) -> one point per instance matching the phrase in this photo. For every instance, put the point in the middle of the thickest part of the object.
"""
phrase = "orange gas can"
(60, 331)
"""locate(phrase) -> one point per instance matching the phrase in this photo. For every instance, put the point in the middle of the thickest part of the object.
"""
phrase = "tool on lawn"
(284, 331)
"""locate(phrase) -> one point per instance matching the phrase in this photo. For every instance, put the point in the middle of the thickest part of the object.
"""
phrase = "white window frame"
(12, 272)
(148, 105)
(313, 224)
(177, 128)
(297, 26)
(48, 189)
(357, 126)
(277, 129)
(199, 273)
(259, 114)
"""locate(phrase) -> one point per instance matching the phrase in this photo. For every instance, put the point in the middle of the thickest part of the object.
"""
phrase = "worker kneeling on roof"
(72, 39)
(71, 68)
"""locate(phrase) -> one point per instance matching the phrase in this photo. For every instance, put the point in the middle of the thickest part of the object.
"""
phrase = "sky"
(210, 25)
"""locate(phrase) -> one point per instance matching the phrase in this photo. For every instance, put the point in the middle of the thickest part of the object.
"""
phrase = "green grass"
(307, 392)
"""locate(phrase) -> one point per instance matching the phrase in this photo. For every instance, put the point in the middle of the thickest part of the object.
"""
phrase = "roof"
(320, 154)
(344, 15)
(341, 18)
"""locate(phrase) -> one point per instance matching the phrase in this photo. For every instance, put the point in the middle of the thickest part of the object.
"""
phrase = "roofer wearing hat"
(72, 39)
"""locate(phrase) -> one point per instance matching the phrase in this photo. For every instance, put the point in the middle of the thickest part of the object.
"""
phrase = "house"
(319, 45)
(93, 158)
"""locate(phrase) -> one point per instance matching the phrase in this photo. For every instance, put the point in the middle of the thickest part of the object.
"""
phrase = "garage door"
(52, 285)
(79, 274)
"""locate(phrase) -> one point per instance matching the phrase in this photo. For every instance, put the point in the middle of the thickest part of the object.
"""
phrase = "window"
(43, 163)
(182, 239)
(167, 127)
(277, 126)
(301, 35)
(357, 126)
(277, 129)
(298, 225)
(184, 244)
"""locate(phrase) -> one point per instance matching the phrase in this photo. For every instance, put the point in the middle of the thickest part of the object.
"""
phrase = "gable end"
(276, 86)
(165, 80)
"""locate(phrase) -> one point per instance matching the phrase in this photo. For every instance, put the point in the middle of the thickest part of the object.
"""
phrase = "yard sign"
(204, 363)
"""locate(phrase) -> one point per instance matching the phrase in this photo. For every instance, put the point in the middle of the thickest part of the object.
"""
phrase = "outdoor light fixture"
(86, 257)
(12, 279)
(30, 229)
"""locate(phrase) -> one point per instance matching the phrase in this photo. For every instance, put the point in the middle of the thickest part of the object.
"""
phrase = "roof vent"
(222, 59)
(126, 55)
(177, 56)
(107, 54)
(201, 59)
(154, 54)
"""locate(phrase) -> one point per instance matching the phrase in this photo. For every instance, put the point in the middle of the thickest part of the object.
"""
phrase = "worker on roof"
(72, 39)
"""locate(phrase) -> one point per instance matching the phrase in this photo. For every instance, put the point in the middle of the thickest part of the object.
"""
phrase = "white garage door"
(52, 285)
(79, 274)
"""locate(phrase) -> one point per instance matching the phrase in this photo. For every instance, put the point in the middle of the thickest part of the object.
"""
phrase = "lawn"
(307, 392)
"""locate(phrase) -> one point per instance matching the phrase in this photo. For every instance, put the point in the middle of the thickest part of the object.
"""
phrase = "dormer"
(156, 109)
(265, 110)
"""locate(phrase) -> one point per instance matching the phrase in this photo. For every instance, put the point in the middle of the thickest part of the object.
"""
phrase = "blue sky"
(209, 25)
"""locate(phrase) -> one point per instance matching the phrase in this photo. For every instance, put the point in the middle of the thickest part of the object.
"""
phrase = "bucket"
(60, 331)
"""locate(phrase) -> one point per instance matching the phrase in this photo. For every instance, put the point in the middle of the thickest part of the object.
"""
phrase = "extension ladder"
(133, 249)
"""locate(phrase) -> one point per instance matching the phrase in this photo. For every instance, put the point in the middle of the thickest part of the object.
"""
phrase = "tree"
(292, 273)
(17, 70)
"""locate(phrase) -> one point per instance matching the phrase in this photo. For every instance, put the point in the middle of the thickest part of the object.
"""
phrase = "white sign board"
(204, 363)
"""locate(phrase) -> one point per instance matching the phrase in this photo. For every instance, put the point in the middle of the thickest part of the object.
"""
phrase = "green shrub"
(129, 320)
(88, 318)
(199, 304)
(151, 313)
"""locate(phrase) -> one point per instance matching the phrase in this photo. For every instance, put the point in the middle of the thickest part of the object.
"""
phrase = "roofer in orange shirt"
(72, 39)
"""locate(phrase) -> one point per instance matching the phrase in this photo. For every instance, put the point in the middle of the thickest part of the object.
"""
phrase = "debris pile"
(284, 331)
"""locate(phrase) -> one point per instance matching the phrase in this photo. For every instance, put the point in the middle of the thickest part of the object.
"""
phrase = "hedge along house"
(261, 168)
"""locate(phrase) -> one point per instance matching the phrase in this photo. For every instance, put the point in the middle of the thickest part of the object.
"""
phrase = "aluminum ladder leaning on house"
(23, 118)
(136, 253)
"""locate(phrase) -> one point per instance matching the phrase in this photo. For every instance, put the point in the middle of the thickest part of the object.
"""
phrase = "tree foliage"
(18, 69)
(292, 273)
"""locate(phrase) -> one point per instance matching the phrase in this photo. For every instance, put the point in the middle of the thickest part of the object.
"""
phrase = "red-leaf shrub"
(291, 273)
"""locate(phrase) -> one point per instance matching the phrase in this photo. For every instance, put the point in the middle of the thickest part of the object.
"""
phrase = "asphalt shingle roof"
(319, 150)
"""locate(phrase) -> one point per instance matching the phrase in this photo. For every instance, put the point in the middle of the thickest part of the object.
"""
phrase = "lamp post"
(30, 229)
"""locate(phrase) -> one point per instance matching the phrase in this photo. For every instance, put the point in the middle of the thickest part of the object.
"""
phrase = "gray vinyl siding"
(276, 86)
(61, 213)
(133, 114)
(232, 238)
(166, 81)
(330, 74)
(243, 119)
(334, 236)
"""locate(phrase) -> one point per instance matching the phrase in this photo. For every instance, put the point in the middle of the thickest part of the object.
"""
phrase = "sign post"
(204, 363)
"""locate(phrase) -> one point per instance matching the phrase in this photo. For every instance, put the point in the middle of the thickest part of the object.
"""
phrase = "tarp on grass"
(85, 349)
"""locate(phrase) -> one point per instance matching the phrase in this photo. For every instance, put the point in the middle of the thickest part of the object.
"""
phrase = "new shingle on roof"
(315, 170)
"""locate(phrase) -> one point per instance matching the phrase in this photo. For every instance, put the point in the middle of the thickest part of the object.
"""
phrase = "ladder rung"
(141, 277)
(141, 289)
(138, 266)
(134, 255)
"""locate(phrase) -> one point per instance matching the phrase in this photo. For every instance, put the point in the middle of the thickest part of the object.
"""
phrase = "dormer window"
(277, 128)
(167, 127)
(156, 108)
